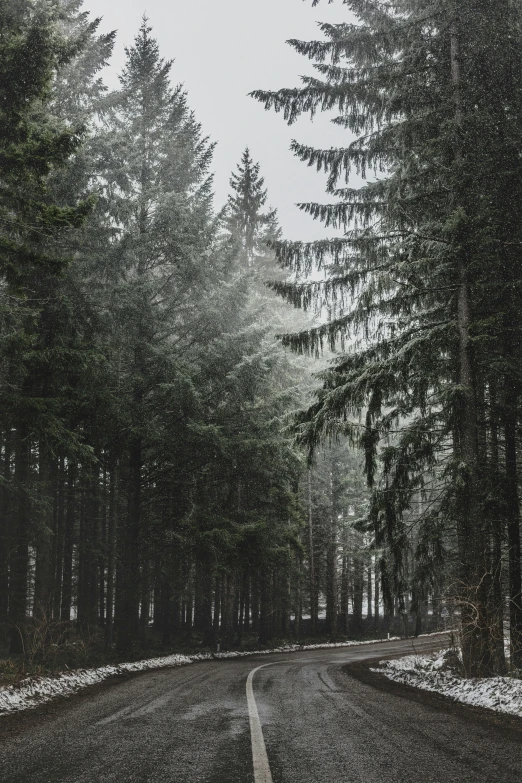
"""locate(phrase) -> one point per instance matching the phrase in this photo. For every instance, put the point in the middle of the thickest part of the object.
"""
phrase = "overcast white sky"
(223, 49)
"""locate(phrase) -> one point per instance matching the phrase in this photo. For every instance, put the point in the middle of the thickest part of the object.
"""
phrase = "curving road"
(319, 720)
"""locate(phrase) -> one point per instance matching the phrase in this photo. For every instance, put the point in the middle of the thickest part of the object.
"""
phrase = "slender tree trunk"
(203, 605)
(331, 583)
(345, 589)
(5, 537)
(513, 531)
(369, 592)
(474, 588)
(102, 554)
(227, 610)
(59, 539)
(247, 593)
(241, 607)
(376, 595)
(265, 609)
(189, 613)
(217, 607)
(88, 550)
(497, 532)
(20, 550)
(331, 555)
(285, 603)
(314, 596)
(131, 582)
(255, 601)
(236, 606)
(68, 543)
(111, 553)
(42, 580)
(298, 601)
(358, 596)
(145, 597)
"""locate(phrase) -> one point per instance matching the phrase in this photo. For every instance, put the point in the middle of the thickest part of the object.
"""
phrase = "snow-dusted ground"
(429, 672)
(37, 690)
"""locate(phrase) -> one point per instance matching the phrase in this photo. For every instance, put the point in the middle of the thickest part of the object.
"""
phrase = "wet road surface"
(320, 725)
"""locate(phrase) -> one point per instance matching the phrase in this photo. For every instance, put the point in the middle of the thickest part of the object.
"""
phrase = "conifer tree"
(160, 201)
(245, 217)
(34, 143)
(409, 283)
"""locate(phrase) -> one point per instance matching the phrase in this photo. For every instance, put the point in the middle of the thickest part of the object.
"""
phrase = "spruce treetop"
(146, 75)
(245, 216)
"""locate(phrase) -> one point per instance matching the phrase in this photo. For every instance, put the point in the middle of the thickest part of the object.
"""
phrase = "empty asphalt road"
(318, 721)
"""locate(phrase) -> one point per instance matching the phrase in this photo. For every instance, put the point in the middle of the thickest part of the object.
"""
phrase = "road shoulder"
(361, 671)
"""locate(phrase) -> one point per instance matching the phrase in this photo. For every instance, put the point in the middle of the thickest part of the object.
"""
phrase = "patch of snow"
(428, 672)
(34, 691)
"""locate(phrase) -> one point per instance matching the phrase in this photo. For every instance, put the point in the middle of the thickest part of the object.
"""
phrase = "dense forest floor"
(90, 652)
(33, 691)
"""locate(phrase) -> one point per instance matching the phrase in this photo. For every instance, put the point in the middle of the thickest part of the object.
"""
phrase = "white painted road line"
(262, 772)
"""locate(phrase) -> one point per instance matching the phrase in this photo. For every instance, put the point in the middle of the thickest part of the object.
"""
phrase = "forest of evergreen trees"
(424, 291)
(170, 469)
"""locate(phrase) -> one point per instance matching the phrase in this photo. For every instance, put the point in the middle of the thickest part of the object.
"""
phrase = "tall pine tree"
(32, 255)
(429, 91)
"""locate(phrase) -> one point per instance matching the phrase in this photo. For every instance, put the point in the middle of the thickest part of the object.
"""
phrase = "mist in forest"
(221, 52)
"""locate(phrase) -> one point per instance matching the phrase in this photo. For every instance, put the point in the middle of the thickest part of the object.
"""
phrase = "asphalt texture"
(325, 719)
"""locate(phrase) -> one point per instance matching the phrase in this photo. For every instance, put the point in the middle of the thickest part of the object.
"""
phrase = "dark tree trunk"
(103, 547)
(5, 538)
(59, 538)
(265, 609)
(216, 623)
(68, 543)
(513, 532)
(314, 593)
(246, 593)
(20, 549)
(358, 596)
(145, 597)
(298, 600)
(255, 601)
(474, 591)
(331, 584)
(497, 530)
(203, 605)
(241, 607)
(331, 553)
(376, 596)
(284, 586)
(111, 552)
(345, 591)
(88, 550)
(236, 605)
(369, 592)
(131, 583)
(42, 579)
(227, 610)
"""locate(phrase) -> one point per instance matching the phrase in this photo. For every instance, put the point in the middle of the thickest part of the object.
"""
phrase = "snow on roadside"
(37, 690)
(297, 648)
(34, 691)
(429, 673)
